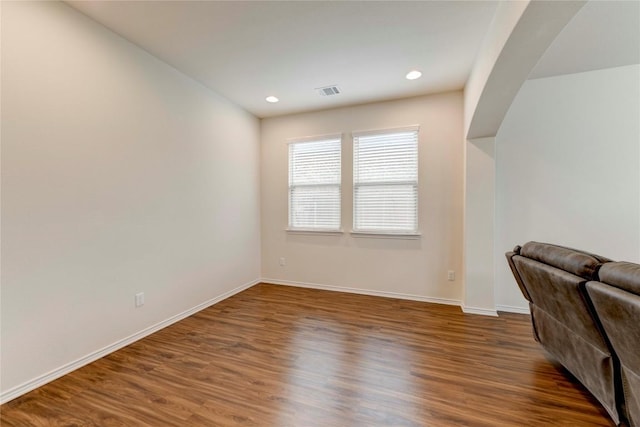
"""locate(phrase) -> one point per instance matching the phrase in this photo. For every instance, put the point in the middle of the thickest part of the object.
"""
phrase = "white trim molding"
(41, 380)
(312, 138)
(513, 309)
(381, 235)
(370, 292)
(409, 128)
(478, 310)
(314, 231)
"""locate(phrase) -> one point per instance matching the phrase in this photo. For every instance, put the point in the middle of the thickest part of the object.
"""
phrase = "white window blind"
(314, 184)
(385, 181)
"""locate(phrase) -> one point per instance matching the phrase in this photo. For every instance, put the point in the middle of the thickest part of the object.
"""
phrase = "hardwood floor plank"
(283, 356)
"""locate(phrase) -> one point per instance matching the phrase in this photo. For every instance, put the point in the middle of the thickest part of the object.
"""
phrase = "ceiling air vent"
(328, 90)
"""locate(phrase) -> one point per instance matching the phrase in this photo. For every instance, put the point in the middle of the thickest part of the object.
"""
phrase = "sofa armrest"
(510, 255)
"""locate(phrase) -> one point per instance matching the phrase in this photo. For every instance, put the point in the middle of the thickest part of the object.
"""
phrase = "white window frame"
(338, 183)
(383, 232)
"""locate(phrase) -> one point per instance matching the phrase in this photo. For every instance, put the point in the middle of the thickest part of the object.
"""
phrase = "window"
(385, 181)
(314, 184)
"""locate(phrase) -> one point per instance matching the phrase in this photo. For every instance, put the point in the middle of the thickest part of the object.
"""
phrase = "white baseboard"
(26, 387)
(513, 309)
(362, 291)
(478, 310)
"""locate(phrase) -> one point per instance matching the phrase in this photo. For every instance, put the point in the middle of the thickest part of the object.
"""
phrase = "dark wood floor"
(281, 356)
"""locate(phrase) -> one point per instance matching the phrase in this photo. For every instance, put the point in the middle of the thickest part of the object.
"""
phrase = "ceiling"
(248, 50)
(603, 34)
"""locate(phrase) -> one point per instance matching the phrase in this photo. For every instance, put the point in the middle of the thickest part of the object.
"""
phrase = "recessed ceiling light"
(414, 74)
(272, 99)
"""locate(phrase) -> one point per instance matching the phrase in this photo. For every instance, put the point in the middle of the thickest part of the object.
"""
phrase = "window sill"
(383, 235)
(314, 231)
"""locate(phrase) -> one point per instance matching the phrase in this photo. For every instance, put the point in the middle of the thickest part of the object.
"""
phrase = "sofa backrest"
(580, 263)
(616, 298)
(554, 278)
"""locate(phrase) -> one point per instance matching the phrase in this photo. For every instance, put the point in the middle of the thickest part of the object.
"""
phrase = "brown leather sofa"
(553, 278)
(616, 298)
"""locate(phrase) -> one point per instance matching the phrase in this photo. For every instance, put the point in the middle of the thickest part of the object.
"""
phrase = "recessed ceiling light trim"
(413, 74)
(272, 99)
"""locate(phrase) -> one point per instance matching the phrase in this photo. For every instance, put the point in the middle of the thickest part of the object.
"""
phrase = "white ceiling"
(248, 50)
(603, 34)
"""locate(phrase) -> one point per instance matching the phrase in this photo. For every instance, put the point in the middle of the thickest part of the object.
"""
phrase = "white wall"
(479, 215)
(119, 175)
(568, 168)
(402, 267)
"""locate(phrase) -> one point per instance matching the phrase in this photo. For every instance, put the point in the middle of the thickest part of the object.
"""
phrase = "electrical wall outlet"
(139, 299)
(451, 275)
(283, 262)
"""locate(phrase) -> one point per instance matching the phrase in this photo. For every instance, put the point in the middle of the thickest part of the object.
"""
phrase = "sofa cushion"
(580, 263)
(623, 275)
